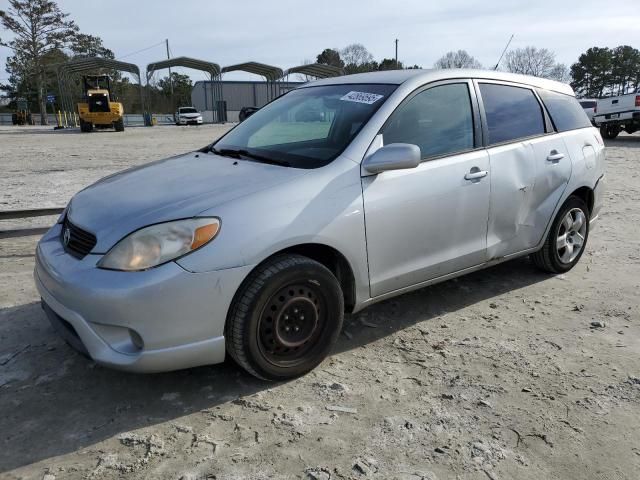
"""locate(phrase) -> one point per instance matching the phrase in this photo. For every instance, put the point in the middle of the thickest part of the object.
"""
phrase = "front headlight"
(161, 243)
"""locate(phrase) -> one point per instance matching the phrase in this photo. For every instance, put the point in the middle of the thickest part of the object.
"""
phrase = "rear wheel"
(609, 131)
(285, 318)
(567, 238)
(119, 125)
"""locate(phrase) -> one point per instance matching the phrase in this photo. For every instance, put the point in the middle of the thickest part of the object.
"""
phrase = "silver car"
(339, 194)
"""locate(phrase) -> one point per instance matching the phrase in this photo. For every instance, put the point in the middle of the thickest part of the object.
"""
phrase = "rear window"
(566, 113)
(512, 112)
(588, 104)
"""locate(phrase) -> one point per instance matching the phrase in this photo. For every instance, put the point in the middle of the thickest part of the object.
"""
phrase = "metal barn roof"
(317, 70)
(212, 68)
(269, 72)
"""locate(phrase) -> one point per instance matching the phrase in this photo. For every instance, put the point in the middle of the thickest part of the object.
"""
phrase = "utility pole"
(397, 54)
(170, 76)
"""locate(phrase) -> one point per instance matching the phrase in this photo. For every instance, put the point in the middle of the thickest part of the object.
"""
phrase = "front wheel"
(118, 125)
(285, 318)
(567, 238)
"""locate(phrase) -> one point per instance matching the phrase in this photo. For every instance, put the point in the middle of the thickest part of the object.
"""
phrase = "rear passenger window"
(439, 120)
(512, 112)
(566, 112)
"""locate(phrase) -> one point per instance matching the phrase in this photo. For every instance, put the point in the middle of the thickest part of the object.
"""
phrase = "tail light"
(637, 100)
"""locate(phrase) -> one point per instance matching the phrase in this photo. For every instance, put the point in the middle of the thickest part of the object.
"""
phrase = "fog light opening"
(136, 339)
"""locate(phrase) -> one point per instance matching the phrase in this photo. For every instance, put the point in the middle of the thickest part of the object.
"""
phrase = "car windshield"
(307, 127)
(188, 110)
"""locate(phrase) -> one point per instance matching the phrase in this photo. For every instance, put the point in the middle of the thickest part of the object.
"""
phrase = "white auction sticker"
(362, 97)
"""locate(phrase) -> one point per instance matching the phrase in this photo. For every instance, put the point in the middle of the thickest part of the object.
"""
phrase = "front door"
(429, 221)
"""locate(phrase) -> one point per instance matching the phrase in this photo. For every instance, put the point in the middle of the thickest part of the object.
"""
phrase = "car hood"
(170, 189)
(190, 115)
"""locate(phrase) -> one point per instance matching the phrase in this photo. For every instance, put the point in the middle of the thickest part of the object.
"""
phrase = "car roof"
(422, 76)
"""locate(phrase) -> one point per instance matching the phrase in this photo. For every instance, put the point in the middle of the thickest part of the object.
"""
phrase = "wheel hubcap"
(296, 322)
(571, 235)
(290, 323)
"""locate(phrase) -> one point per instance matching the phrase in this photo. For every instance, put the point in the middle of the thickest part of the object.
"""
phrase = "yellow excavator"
(98, 109)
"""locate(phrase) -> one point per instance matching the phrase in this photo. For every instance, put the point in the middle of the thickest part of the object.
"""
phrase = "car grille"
(77, 242)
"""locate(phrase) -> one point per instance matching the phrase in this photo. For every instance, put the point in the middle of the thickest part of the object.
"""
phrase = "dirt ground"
(497, 375)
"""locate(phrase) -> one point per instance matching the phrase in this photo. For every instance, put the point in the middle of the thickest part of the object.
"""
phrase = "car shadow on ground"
(54, 401)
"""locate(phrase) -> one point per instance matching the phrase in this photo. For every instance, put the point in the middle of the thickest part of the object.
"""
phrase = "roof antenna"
(503, 51)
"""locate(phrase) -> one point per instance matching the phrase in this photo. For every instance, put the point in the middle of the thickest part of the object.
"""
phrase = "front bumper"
(190, 121)
(161, 319)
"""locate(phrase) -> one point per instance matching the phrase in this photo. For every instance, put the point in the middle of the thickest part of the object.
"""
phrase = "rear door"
(431, 220)
(530, 166)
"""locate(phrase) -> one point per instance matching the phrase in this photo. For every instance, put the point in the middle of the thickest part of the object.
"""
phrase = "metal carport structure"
(317, 70)
(269, 72)
(213, 69)
(85, 64)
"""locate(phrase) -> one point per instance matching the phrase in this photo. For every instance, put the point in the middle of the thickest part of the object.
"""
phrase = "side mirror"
(395, 156)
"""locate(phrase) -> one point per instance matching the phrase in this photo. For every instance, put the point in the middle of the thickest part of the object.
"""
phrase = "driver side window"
(439, 120)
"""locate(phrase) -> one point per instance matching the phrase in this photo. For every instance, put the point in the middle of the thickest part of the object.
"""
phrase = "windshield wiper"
(239, 153)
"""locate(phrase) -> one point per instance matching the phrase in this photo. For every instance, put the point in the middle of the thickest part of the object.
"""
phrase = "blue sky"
(287, 32)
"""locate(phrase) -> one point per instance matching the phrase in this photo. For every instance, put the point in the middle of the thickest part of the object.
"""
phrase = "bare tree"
(357, 59)
(459, 59)
(39, 27)
(538, 62)
(561, 73)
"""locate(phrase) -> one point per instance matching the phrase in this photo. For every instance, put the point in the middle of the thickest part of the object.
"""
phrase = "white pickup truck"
(615, 114)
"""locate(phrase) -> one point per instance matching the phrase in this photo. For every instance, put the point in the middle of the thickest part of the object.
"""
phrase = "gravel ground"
(506, 373)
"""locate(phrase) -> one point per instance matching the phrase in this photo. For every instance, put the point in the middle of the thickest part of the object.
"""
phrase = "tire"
(119, 125)
(285, 318)
(609, 131)
(85, 127)
(553, 257)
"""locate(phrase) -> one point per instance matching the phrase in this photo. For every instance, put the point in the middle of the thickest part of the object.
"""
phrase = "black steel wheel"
(285, 318)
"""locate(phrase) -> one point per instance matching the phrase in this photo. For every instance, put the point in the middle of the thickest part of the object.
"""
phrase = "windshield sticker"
(362, 97)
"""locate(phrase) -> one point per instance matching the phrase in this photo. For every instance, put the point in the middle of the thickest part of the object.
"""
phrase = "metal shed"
(317, 70)
(213, 69)
(269, 72)
(85, 64)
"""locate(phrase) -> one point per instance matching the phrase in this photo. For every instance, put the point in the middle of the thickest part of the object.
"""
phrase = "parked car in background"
(246, 112)
(258, 244)
(188, 116)
(589, 106)
(615, 114)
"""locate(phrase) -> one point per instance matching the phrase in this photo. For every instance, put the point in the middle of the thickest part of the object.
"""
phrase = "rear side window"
(439, 120)
(512, 112)
(566, 113)
(585, 103)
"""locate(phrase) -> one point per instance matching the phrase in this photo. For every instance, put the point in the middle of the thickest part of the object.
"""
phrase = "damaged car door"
(530, 167)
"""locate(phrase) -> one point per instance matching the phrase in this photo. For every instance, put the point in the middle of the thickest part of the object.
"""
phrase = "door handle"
(475, 174)
(555, 156)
